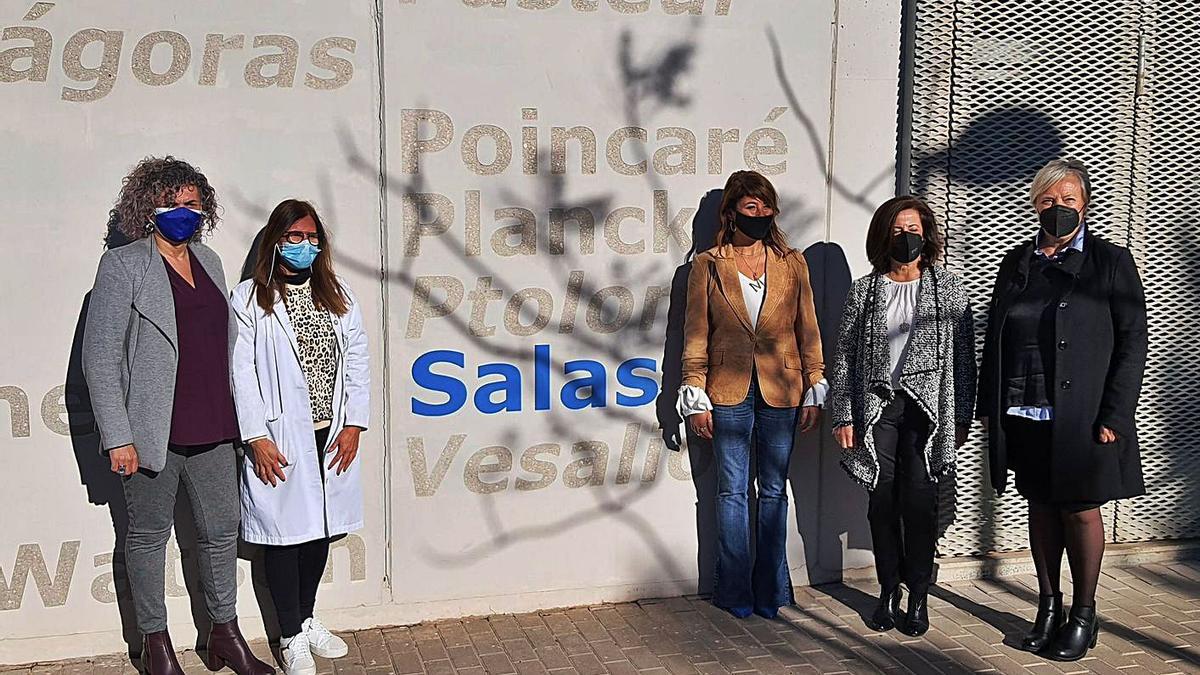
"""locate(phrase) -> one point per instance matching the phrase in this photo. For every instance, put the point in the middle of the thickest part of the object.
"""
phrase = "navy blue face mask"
(178, 224)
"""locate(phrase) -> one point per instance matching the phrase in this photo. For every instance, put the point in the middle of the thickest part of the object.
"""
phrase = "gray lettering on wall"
(92, 59)
(497, 468)
(29, 561)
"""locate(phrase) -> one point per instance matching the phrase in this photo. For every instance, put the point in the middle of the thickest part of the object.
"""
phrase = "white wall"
(450, 531)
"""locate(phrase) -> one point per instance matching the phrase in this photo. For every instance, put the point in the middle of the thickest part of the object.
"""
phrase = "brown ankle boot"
(158, 655)
(227, 647)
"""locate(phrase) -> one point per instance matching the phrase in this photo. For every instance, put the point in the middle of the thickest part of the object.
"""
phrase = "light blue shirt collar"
(1076, 242)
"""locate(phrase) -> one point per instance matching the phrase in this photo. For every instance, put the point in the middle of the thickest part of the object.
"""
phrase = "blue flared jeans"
(752, 579)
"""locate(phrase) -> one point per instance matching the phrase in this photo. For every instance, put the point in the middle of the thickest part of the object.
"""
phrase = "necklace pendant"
(905, 327)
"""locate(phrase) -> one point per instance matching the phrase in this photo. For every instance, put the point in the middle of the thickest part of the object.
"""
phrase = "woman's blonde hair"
(1056, 170)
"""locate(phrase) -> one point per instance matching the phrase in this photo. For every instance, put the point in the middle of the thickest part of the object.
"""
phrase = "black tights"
(293, 574)
(1081, 533)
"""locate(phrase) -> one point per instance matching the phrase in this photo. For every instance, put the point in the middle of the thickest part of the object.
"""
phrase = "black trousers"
(294, 572)
(903, 506)
(293, 575)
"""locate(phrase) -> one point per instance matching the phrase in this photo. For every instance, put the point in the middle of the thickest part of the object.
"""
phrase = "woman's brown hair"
(879, 233)
(328, 294)
(750, 184)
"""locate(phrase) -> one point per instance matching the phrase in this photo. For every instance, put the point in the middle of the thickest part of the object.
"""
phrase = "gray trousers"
(211, 481)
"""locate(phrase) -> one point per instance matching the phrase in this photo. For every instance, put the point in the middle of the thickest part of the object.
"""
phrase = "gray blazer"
(130, 347)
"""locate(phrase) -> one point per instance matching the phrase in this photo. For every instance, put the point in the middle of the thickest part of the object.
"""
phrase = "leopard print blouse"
(318, 349)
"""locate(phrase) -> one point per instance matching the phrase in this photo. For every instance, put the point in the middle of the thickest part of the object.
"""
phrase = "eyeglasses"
(296, 236)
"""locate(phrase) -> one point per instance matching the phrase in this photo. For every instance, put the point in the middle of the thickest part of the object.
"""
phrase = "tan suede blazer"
(720, 347)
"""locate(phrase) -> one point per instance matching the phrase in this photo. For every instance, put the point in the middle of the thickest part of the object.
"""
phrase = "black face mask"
(906, 247)
(1058, 221)
(755, 227)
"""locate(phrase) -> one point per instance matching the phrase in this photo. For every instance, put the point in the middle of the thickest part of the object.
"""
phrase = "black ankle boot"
(1050, 617)
(1076, 636)
(887, 613)
(917, 620)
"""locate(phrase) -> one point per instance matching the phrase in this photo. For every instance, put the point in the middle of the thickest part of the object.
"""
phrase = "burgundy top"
(202, 412)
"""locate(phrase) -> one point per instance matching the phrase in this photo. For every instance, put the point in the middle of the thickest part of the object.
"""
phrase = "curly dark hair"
(154, 183)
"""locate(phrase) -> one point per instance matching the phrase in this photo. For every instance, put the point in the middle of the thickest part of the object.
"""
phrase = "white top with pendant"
(901, 311)
(753, 292)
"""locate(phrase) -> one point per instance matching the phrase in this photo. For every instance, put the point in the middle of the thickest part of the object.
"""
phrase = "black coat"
(1100, 351)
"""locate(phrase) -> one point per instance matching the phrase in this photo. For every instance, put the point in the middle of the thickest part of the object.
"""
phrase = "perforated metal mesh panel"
(1001, 88)
(1165, 238)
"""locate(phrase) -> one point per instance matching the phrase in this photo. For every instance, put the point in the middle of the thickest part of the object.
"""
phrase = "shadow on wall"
(103, 486)
(986, 154)
(651, 80)
(831, 510)
(705, 224)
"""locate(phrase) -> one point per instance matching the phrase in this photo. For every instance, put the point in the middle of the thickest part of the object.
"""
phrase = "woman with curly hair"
(157, 348)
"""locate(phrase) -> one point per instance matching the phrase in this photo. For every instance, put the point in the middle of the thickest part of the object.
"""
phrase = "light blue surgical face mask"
(299, 256)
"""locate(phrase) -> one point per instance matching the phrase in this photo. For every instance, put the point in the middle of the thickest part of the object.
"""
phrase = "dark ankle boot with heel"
(887, 614)
(158, 655)
(1050, 617)
(917, 620)
(1076, 637)
(227, 647)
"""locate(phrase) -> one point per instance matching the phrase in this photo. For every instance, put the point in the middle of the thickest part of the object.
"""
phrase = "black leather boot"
(1049, 619)
(158, 655)
(917, 620)
(1076, 636)
(227, 647)
(887, 613)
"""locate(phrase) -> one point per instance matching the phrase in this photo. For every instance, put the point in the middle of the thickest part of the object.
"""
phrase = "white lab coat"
(272, 400)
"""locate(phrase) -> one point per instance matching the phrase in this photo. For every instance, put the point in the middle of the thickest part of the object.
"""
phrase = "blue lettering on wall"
(452, 387)
(510, 386)
(498, 386)
(648, 386)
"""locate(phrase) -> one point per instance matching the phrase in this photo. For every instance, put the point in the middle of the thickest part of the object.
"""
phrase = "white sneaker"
(297, 659)
(324, 644)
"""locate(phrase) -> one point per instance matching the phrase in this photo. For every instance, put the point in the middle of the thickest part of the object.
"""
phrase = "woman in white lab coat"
(301, 386)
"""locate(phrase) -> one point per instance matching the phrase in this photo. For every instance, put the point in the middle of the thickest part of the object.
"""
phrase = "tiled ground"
(1150, 623)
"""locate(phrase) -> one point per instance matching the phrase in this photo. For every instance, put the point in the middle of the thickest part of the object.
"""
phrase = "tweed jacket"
(130, 347)
(721, 346)
(938, 372)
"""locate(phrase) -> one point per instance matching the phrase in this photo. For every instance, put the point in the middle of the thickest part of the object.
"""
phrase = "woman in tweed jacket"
(902, 391)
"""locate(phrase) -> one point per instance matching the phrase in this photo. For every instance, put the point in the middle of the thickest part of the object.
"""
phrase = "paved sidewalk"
(1150, 623)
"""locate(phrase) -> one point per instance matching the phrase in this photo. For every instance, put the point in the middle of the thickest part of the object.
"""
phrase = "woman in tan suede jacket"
(751, 357)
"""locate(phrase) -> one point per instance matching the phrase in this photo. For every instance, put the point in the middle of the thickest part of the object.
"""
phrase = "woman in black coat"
(1059, 384)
